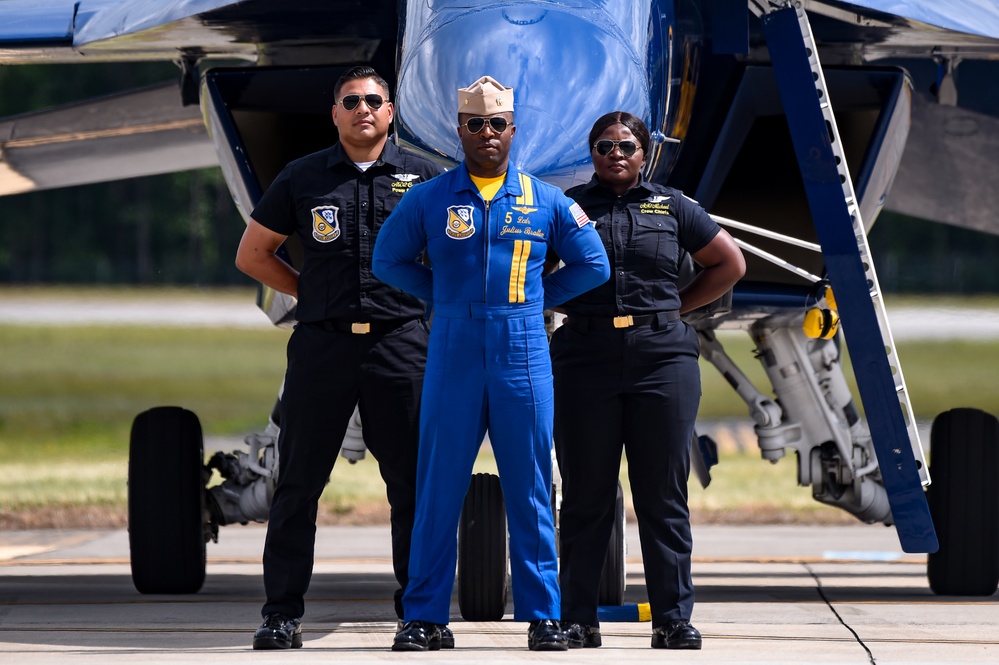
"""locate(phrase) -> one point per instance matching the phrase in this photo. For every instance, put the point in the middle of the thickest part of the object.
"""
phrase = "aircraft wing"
(953, 142)
(59, 31)
(136, 133)
(940, 176)
(951, 53)
(974, 17)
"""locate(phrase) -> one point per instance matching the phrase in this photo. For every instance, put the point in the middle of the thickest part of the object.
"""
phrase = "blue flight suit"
(488, 366)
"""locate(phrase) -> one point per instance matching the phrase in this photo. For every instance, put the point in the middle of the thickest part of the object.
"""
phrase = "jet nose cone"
(566, 70)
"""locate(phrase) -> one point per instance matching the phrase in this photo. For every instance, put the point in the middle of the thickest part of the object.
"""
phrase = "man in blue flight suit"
(486, 227)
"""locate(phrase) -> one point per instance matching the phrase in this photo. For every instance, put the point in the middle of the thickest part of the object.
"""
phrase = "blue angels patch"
(460, 224)
(325, 227)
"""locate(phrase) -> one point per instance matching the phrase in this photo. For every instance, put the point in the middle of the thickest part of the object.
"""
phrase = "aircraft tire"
(964, 503)
(612, 577)
(482, 551)
(166, 501)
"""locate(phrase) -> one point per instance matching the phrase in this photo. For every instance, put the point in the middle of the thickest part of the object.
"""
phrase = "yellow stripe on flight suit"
(518, 269)
(521, 248)
(527, 198)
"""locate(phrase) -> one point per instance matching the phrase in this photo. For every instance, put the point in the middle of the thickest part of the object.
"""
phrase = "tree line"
(178, 228)
(183, 229)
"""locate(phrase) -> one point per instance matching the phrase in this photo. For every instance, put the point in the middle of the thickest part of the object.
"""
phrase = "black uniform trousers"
(639, 388)
(329, 371)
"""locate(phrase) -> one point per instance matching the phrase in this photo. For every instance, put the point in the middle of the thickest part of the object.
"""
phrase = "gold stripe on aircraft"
(172, 125)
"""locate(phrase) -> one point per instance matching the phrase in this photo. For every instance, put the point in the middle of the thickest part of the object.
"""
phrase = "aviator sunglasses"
(497, 123)
(605, 146)
(374, 102)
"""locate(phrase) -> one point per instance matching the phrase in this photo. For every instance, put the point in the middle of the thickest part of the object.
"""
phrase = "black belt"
(626, 321)
(361, 328)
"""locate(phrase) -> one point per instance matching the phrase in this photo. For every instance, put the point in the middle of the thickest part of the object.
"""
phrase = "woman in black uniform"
(626, 374)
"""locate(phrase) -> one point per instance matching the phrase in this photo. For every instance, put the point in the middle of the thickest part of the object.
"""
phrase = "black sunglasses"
(498, 124)
(350, 102)
(605, 146)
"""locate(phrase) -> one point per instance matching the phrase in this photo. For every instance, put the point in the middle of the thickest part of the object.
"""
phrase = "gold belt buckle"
(623, 321)
(360, 328)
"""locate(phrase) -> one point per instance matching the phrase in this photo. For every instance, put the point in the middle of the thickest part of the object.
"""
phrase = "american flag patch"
(578, 214)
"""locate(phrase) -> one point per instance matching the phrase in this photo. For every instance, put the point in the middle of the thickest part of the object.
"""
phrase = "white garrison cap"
(485, 97)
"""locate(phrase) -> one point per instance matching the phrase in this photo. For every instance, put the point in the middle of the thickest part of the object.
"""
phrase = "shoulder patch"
(579, 215)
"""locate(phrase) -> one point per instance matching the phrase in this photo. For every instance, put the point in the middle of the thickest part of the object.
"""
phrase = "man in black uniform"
(358, 340)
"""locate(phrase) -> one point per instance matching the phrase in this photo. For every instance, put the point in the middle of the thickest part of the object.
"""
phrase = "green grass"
(72, 392)
(68, 395)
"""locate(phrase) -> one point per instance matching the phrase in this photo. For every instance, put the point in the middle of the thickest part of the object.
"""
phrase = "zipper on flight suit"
(485, 235)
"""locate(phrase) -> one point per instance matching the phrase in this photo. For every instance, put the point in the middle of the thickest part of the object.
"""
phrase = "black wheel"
(482, 553)
(166, 501)
(612, 578)
(964, 503)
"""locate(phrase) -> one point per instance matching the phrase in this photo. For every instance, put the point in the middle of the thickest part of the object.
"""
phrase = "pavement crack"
(825, 599)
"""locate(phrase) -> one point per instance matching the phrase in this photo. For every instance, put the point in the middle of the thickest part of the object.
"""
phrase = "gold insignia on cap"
(484, 96)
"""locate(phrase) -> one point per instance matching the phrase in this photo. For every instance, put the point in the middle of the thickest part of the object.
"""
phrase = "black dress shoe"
(419, 636)
(676, 635)
(581, 635)
(545, 635)
(447, 637)
(278, 632)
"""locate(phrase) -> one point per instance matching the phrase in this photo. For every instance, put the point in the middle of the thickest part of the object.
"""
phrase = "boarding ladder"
(842, 236)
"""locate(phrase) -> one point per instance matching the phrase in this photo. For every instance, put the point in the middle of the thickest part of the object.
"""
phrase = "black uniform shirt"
(336, 210)
(643, 232)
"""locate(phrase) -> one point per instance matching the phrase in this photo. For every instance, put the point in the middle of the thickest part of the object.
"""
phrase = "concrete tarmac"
(773, 594)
